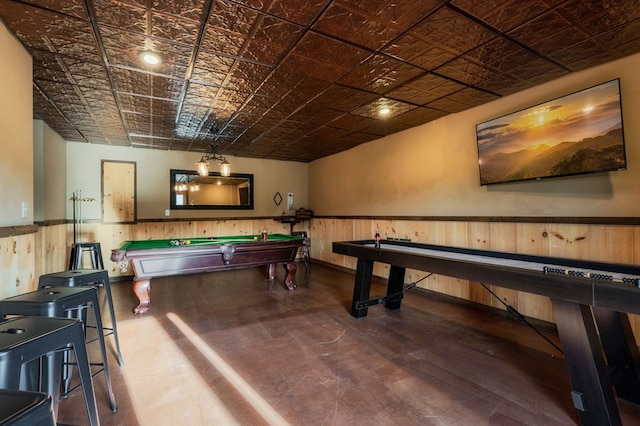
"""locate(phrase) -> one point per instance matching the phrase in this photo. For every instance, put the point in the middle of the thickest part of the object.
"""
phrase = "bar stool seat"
(82, 278)
(25, 339)
(23, 408)
(61, 302)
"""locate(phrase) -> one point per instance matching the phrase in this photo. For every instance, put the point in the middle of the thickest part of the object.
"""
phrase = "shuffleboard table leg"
(395, 286)
(142, 289)
(362, 288)
(291, 269)
(592, 390)
(623, 358)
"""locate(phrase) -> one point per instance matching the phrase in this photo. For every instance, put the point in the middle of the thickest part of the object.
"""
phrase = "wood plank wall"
(17, 264)
(23, 258)
(608, 243)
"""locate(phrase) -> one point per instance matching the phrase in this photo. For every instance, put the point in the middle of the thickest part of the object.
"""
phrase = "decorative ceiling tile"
(271, 38)
(121, 15)
(351, 122)
(292, 80)
(419, 52)
(184, 9)
(220, 41)
(621, 41)
(464, 71)
(426, 88)
(420, 115)
(372, 24)
(343, 98)
(289, 10)
(74, 8)
(503, 15)
(380, 74)
(323, 57)
(536, 34)
(451, 30)
(233, 18)
(595, 16)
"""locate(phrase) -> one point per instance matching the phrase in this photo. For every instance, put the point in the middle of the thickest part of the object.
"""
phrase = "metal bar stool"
(30, 338)
(77, 249)
(61, 302)
(305, 247)
(81, 278)
(23, 408)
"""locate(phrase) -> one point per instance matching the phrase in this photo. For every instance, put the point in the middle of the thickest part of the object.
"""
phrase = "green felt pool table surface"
(232, 239)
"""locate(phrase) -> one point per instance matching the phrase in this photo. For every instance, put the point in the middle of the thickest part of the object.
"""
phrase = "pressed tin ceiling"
(292, 79)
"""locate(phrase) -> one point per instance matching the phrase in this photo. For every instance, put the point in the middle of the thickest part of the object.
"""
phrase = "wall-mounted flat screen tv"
(575, 134)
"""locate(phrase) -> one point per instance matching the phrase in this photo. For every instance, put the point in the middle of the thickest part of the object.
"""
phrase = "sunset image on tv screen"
(575, 134)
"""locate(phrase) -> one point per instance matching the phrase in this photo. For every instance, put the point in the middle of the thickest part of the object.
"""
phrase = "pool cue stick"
(80, 214)
(75, 237)
(521, 317)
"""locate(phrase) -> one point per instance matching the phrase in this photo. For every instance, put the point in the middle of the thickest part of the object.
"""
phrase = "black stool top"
(24, 330)
(19, 408)
(72, 273)
(51, 294)
(74, 277)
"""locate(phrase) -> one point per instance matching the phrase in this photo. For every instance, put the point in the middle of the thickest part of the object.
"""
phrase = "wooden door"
(118, 191)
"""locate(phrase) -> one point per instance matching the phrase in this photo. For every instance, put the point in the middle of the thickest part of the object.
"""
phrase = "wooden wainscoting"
(600, 242)
(17, 264)
(56, 240)
(25, 257)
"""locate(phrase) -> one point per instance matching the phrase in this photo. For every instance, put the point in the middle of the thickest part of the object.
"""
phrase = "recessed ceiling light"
(150, 57)
(384, 110)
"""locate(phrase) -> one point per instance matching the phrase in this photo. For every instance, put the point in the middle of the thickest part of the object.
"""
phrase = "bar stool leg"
(105, 363)
(72, 257)
(84, 372)
(75, 258)
(112, 314)
(50, 371)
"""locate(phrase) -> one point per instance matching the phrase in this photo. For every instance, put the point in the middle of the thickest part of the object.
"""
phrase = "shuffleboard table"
(165, 257)
(590, 303)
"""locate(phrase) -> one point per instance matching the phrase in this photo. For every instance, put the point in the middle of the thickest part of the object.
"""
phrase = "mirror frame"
(172, 193)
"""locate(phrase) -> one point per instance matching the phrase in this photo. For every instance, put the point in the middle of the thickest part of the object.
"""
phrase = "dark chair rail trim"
(11, 231)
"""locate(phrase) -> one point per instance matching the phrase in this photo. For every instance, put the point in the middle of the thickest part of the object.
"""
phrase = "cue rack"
(77, 213)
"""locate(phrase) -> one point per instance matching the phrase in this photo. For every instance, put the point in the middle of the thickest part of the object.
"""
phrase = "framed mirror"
(189, 190)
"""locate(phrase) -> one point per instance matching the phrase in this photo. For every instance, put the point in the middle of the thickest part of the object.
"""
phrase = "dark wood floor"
(231, 348)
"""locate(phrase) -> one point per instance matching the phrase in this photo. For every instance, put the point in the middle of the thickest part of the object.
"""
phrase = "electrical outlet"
(25, 208)
(167, 212)
(290, 201)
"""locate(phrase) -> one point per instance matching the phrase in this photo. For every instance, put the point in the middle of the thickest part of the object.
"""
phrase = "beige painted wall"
(152, 168)
(432, 170)
(50, 176)
(16, 132)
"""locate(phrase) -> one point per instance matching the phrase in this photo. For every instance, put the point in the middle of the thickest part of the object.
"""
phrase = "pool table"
(160, 258)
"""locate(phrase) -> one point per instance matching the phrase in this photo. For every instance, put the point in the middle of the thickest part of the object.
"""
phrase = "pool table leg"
(290, 268)
(272, 271)
(142, 289)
